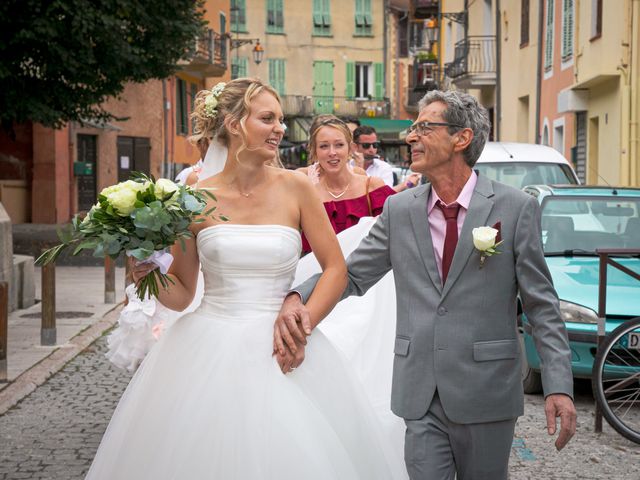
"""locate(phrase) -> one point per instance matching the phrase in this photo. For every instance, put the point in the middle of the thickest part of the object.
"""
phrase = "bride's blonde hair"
(233, 101)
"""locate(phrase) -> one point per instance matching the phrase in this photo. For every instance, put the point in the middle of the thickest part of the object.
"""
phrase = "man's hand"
(292, 325)
(560, 405)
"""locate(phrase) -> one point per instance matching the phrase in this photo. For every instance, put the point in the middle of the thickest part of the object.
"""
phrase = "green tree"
(61, 59)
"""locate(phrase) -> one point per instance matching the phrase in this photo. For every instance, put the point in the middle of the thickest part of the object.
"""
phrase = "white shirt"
(380, 168)
(184, 174)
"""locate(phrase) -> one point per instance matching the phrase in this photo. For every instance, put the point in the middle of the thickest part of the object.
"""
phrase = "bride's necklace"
(338, 195)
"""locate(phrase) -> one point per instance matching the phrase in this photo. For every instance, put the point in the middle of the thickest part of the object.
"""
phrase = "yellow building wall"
(519, 70)
(300, 48)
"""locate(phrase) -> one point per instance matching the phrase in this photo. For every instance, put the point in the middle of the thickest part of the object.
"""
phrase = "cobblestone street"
(55, 431)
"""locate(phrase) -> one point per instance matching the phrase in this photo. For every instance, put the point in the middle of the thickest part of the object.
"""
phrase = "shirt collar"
(464, 199)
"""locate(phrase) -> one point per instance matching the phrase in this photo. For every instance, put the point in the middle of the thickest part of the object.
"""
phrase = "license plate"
(634, 340)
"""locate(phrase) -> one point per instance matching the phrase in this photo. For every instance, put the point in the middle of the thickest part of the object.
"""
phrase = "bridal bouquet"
(142, 217)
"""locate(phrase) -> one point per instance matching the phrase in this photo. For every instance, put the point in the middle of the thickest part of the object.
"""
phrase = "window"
(238, 67)
(548, 48)
(182, 113)
(403, 37)
(238, 16)
(275, 16)
(567, 29)
(596, 19)
(192, 98)
(363, 18)
(276, 74)
(321, 17)
(524, 23)
(223, 42)
(363, 80)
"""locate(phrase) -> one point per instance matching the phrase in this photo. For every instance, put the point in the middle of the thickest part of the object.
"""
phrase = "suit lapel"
(479, 210)
(420, 224)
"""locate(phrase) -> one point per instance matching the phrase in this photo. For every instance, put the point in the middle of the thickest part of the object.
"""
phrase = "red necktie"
(451, 237)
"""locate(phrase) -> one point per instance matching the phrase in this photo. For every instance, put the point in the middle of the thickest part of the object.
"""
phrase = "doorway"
(133, 155)
(87, 153)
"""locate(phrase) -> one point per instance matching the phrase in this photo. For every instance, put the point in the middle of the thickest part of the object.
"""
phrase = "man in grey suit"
(456, 377)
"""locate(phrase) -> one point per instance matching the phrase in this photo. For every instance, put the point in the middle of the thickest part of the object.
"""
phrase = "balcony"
(307, 106)
(424, 8)
(474, 63)
(427, 76)
(209, 58)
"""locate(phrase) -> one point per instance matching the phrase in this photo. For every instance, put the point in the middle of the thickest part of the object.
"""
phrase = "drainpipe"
(634, 130)
(539, 68)
(385, 9)
(498, 71)
(165, 128)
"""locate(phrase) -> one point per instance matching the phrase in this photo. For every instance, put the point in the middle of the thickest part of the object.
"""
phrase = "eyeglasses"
(425, 128)
(366, 145)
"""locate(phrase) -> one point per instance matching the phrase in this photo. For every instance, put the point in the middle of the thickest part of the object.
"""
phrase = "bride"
(210, 400)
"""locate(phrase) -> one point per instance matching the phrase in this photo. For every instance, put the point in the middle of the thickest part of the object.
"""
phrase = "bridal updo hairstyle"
(233, 101)
(326, 120)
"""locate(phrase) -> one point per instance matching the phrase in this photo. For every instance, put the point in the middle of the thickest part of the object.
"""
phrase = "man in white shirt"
(366, 142)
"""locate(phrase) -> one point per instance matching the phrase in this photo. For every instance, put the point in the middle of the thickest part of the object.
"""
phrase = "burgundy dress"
(346, 213)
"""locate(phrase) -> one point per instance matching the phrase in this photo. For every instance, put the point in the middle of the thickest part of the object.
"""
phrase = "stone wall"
(6, 255)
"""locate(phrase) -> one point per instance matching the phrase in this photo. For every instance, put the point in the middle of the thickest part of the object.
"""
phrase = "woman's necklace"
(334, 195)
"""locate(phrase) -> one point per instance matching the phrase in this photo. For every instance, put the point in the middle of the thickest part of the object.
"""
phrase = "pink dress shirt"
(437, 223)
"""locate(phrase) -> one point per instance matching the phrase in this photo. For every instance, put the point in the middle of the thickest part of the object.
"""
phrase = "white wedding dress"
(210, 402)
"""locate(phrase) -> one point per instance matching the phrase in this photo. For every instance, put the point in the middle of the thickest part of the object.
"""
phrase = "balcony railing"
(474, 61)
(210, 54)
(309, 105)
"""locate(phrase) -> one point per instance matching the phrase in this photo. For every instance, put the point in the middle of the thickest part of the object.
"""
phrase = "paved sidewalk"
(81, 317)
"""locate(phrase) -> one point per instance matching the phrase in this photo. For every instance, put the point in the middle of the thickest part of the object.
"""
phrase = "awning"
(385, 127)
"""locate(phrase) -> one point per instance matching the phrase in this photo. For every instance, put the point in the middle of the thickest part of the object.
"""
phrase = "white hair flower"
(211, 101)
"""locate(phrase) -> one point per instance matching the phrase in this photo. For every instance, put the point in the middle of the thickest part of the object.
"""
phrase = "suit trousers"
(437, 448)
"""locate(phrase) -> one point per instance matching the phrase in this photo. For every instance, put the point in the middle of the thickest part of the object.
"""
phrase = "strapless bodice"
(247, 268)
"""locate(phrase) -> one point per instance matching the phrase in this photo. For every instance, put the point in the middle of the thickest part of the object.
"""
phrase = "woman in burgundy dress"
(347, 196)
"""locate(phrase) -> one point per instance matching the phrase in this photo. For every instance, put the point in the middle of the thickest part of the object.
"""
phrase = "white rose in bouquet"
(165, 187)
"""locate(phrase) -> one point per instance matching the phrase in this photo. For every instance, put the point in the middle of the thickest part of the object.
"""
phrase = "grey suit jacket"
(461, 338)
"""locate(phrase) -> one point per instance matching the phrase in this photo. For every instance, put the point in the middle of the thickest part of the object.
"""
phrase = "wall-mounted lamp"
(258, 49)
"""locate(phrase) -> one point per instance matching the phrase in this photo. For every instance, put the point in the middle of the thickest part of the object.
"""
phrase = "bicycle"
(616, 379)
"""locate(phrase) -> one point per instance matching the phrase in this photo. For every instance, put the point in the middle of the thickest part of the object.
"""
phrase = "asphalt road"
(54, 432)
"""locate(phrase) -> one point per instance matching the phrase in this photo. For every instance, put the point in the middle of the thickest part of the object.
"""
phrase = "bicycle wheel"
(616, 379)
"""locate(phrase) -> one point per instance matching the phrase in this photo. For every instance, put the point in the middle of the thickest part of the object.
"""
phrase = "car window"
(521, 174)
(588, 223)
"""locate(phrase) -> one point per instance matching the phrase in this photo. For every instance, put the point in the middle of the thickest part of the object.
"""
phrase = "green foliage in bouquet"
(139, 216)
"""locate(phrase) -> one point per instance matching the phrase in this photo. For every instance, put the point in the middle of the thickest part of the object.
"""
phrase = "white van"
(521, 164)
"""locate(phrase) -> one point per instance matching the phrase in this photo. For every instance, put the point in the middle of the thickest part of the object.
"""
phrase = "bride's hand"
(289, 361)
(139, 270)
(292, 325)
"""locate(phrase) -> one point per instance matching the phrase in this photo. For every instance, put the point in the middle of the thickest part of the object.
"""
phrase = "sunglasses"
(366, 145)
(425, 128)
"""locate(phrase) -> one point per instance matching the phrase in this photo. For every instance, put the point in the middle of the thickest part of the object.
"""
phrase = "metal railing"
(473, 55)
(309, 105)
(605, 261)
(211, 48)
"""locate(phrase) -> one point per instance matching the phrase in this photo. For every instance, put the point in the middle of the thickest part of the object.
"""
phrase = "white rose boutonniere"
(486, 240)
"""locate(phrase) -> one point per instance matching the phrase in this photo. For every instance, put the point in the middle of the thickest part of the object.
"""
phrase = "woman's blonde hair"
(326, 120)
(234, 102)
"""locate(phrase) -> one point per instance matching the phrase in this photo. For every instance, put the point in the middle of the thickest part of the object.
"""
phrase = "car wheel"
(531, 379)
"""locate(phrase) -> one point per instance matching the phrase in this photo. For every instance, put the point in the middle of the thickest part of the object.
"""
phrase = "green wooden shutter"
(317, 17)
(276, 74)
(368, 17)
(379, 81)
(280, 15)
(323, 87)
(326, 13)
(548, 50)
(238, 67)
(359, 17)
(182, 116)
(350, 91)
(567, 29)
(239, 16)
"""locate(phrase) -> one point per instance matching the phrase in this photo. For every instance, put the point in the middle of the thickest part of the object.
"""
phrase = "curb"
(35, 376)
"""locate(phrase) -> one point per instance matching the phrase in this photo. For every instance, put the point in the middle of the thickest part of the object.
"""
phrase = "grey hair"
(463, 109)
